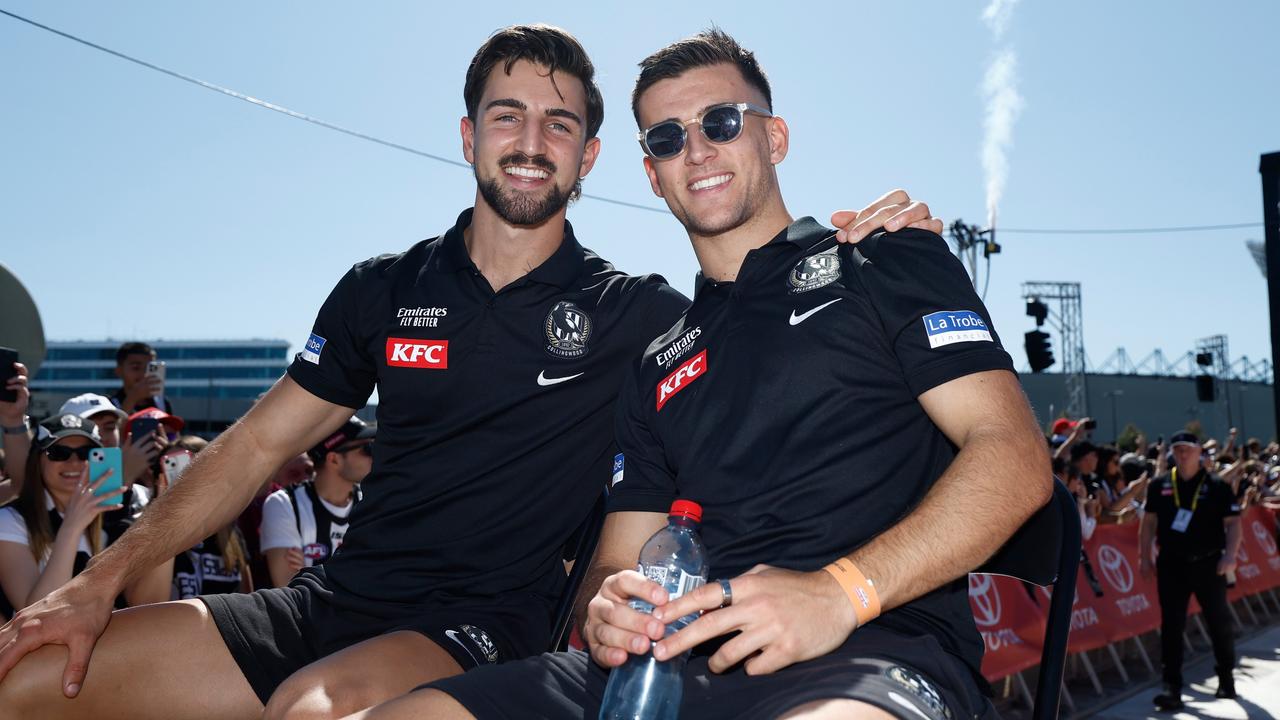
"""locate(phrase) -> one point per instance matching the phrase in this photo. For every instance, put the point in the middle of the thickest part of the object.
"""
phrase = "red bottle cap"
(686, 508)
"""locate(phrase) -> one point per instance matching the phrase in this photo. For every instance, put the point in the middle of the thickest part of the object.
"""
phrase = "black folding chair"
(584, 548)
(1046, 551)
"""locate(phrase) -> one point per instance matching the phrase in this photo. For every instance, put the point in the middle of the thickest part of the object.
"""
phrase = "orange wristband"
(860, 589)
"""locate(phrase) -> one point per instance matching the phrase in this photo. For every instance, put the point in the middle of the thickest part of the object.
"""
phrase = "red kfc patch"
(415, 353)
(692, 369)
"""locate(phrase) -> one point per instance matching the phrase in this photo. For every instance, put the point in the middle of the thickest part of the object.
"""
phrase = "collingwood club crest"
(815, 271)
(568, 329)
(923, 690)
(482, 641)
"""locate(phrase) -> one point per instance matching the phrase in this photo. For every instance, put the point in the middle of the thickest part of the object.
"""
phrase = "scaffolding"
(1067, 317)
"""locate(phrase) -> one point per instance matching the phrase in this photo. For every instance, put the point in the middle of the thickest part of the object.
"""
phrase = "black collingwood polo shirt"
(786, 404)
(1210, 500)
(495, 413)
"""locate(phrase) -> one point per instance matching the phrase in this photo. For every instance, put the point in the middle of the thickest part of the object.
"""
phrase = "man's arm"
(218, 485)
(16, 445)
(1146, 538)
(608, 625)
(1228, 561)
(1000, 477)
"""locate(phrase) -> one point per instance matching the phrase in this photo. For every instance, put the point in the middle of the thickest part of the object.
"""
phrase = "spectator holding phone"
(55, 527)
(141, 378)
(219, 563)
(149, 432)
(302, 525)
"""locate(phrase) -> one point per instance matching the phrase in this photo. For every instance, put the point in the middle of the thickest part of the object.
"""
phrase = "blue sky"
(135, 205)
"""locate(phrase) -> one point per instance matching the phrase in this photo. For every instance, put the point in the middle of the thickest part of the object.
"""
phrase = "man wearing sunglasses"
(302, 525)
(497, 350)
(846, 418)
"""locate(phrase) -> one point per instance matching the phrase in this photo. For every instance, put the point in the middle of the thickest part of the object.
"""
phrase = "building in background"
(210, 383)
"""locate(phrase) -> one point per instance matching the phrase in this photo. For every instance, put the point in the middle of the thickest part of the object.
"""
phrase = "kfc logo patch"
(694, 368)
(414, 353)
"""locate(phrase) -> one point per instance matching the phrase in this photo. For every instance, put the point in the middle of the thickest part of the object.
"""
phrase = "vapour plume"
(1002, 103)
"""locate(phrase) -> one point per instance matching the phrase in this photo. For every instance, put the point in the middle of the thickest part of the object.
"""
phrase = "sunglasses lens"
(62, 453)
(664, 140)
(722, 124)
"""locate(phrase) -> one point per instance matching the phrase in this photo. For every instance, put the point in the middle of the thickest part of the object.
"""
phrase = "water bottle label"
(688, 583)
(656, 573)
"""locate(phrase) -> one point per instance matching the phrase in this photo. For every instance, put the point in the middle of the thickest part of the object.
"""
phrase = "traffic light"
(1204, 388)
(1039, 353)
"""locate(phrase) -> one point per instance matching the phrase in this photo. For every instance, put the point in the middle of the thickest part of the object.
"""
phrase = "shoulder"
(277, 501)
(885, 245)
(381, 268)
(12, 527)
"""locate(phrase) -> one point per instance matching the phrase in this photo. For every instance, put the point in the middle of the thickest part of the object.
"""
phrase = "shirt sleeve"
(937, 326)
(1230, 504)
(666, 308)
(13, 528)
(642, 479)
(335, 364)
(279, 527)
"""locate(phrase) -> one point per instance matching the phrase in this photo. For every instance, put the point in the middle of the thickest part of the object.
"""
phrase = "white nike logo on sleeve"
(545, 381)
(797, 319)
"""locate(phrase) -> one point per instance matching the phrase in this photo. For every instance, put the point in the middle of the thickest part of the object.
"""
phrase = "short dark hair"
(545, 45)
(709, 47)
(133, 348)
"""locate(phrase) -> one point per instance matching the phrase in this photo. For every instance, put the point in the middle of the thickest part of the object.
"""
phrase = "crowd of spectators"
(54, 517)
(1110, 480)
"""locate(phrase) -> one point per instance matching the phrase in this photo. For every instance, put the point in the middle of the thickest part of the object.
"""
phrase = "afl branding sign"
(568, 330)
(815, 271)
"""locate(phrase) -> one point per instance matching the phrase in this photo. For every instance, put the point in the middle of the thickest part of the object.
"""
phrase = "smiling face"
(711, 188)
(62, 477)
(528, 142)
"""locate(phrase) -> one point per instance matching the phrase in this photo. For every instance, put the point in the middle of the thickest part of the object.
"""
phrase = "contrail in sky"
(1003, 105)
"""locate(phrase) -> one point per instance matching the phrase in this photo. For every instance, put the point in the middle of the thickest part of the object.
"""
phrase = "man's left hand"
(894, 211)
(1226, 565)
(783, 617)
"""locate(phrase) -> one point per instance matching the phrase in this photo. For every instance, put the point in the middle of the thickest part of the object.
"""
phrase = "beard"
(521, 209)
(729, 219)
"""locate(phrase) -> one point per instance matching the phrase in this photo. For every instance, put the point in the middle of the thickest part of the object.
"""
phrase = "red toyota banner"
(1011, 624)
(1129, 605)
(1257, 563)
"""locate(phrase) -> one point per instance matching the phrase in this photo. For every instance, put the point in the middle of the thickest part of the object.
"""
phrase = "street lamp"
(1115, 423)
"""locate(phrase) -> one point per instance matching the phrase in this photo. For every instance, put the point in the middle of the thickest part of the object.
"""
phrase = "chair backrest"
(1046, 550)
(585, 547)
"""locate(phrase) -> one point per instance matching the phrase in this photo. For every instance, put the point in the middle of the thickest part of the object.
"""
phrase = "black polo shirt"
(1213, 503)
(495, 413)
(786, 404)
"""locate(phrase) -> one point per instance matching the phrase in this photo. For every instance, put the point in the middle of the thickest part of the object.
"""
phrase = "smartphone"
(1091, 425)
(100, 461)
(175, 464)
(8, 356)
(156, 368)
(143, 427)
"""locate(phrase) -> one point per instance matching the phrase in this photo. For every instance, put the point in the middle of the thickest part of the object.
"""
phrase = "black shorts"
(909, 677)
(274, 633)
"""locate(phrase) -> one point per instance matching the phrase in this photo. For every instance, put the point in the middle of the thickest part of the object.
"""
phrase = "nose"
(697, 148)
(531, 142)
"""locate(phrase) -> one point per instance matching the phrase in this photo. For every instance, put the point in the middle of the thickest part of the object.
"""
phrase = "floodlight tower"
(1069, 322)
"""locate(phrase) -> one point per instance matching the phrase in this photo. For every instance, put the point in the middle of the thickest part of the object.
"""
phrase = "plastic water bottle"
(644, 688)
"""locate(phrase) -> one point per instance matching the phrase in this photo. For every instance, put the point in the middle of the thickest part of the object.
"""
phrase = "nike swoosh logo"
(453, 635)
(545, 381)
(797, 319)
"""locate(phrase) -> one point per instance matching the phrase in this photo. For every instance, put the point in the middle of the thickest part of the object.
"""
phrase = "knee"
(306, 697)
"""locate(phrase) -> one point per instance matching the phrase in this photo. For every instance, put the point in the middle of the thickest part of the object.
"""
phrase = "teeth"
(526, 172)
(711, 182)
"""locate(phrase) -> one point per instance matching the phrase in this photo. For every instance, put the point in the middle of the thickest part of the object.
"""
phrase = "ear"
(779, 139)
(468, 130)
(652, 172)
(589, 154)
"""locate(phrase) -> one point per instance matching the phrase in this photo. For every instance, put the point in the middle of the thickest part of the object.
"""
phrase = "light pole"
(1115, 423)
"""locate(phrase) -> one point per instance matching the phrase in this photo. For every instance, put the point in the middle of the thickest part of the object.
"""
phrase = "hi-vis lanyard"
(1195, 499)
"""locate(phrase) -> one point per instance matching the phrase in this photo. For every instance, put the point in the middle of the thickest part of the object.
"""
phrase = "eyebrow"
(519, 105)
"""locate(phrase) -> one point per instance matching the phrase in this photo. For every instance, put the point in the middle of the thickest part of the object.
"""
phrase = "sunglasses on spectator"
(719, 124)
(366, 448)
(62, 453)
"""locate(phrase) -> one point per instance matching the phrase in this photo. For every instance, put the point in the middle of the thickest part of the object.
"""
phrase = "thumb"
(77, 667)
(840, 218)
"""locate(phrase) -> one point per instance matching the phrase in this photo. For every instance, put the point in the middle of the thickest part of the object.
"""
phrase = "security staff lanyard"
(1183, 518)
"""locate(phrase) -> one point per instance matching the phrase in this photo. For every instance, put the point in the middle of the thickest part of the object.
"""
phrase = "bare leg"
(842, 709)
(164, 661)
(360, 677)
(422, 704)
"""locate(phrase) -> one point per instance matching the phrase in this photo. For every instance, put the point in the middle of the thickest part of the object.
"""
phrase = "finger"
(912, 212)
(933, 225)
(865, 225)
(22, 640)
(699, 631)
(758, 569)
(609, 635)
(770, 660)
(622, 615)
(736, 650)
(629, 584)
(608, 657)
(97, 482)
(77, 666)
(707, 597)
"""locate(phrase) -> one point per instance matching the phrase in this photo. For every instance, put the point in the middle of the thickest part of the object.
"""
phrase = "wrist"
(830, 588)
(15, 424)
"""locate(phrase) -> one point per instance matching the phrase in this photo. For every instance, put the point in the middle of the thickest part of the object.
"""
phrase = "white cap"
(90, 404)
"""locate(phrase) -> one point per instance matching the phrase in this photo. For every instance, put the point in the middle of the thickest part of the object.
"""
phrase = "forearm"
(153, 587)
(220, 483)
(591, 583)
(987, 493)
(1146, 534)
(61, 565)
(1233, 538)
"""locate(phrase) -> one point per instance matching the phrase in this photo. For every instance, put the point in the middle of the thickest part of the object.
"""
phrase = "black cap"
(353, 429)
(1184, 438)
(66, 425)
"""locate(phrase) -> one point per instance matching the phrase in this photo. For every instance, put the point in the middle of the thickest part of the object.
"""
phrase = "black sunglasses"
(62, 453)
(719, 124)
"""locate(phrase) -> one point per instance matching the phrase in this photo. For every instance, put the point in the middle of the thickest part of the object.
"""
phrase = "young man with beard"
(498, 350)
(848, 422)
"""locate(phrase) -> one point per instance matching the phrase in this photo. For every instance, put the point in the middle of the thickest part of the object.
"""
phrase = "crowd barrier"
(1012, 620)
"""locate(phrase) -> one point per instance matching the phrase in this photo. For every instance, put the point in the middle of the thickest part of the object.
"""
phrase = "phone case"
(8, 356)
(101, 460)
(175, 465)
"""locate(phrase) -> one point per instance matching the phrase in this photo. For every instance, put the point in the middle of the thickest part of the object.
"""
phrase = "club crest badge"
(815, 271)
(568, 330)
(72, 421)
(921, 689)
(482, 641)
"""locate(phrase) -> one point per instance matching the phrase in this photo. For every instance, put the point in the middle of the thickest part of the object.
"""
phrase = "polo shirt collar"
(560, 270)
(804, 233)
